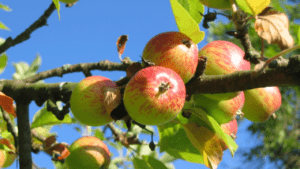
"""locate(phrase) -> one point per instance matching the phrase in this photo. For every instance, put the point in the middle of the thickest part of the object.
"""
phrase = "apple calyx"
(187, 42)
(163, 87)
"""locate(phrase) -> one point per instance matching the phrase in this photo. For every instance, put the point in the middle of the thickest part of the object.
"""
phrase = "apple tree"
(193, 97)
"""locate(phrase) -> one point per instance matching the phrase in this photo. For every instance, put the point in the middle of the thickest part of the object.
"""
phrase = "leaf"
(3, 62)
(207, 143)
(121, 42)
(298, 35)
(5, 7)
(139, 163)
(200, 117)
(44, 117)
(112, 98)
(6, 103)
(253, 7)
(35, 65)
(194, 8)
(175, 142)
(2, 41)
(154, 163)
(57, 5)
(2, 26)
(274, 28)
(185, 22)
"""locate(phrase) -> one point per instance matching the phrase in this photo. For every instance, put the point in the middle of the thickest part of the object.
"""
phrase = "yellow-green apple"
(68, 1)
(88, 152)
(261, 103)
(229, 128)
(7, 157)
(173, 50)
(87, 101)
(154, 95)
(222, 58)
(218, 4)
(222, 111)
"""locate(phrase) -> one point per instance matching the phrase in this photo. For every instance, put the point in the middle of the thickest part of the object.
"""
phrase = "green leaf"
(5, 7)
(44, 117)
(194, 8)
(253, 7)
(99, 134)
(175, 142)
(2, 41)
(140, 163)
(186, 23)
(57, 5)
(298, 35)
(35, 65)
(200, 117)
(2, 26)
(154, 163)
(167, 158)
(3, 62)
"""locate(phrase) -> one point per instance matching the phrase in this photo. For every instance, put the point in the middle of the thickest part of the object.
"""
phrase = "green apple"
(88, 152)
(87, 101)
(154, 95)
(218, 4)
(261, 103)
(222, 58)
(7, 157)
(173, 50)
(222, 111)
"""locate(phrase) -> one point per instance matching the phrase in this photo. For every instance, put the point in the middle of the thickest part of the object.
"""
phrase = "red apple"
(87, 101)
(222, 111)
(154, 95)
(218, 4)
(261, 103)
(173, 50)
(229, 128)
(222, 58)
(88, 152)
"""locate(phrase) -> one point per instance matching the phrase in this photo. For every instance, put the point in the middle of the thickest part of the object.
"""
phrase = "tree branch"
(10, 127)
(42, 21)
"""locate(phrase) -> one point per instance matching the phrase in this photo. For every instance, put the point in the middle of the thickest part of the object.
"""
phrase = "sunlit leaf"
(3, 62)
(57, 5)
(2, 26)
(154, 163)
(194, 8)
(139, 163)
(35, 65)
(253, 7)
(274, 28)
(185, 22)
(5, 7)
(6, 103)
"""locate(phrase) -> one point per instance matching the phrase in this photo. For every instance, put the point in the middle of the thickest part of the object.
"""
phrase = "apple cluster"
(156, 93)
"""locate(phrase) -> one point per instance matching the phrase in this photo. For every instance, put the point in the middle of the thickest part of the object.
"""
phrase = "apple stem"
(187, 42)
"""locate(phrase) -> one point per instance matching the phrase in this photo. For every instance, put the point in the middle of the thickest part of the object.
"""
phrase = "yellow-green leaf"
(185, 22)
(2, 26)
(57, 5)
(253, 7)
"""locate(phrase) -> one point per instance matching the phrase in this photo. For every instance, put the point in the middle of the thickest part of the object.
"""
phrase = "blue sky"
(87, 32)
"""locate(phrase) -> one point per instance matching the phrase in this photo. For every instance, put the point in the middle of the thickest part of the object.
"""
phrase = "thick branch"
(42, 21)
(24, 135)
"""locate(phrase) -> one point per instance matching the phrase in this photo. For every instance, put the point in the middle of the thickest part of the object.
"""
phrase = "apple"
(88, 152)
(173, 50)
(7, 157)
(87, 101)
(68, 1)
(229, 128)
(218, 4)
(261, 103)
(222, 58)
(222, 111)
(154, 95)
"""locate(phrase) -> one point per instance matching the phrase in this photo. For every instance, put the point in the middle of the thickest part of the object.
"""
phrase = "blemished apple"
(7, 158)
(173, 50)
(154, 95)
(68, 1)
(88, 152)
(261, 103)
(218, 4)
(87, 101)
(229, 128)
(222, 111)
(222, 58)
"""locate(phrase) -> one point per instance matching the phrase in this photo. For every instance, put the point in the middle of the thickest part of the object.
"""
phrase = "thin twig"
(42, 21)
(10, 127)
